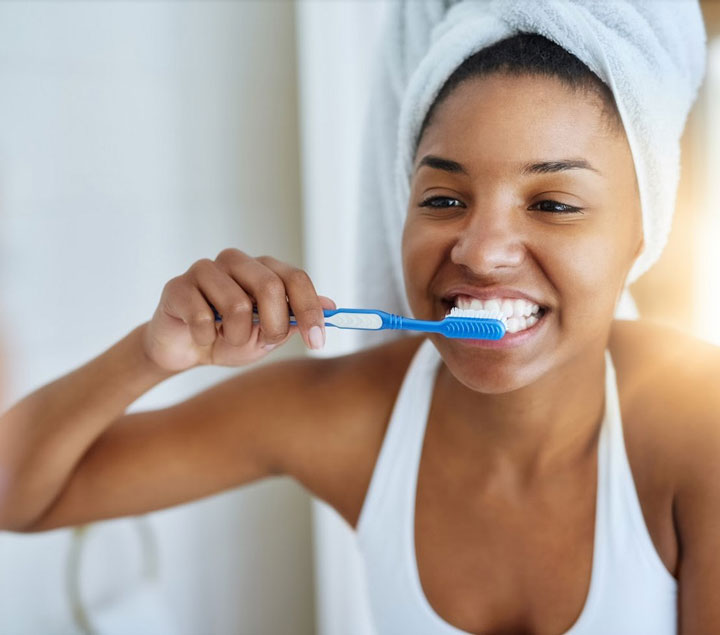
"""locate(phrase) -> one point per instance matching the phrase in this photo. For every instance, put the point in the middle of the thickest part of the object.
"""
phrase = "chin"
(486, 371)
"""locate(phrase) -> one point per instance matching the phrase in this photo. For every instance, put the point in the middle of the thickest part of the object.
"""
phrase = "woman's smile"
(523, 203)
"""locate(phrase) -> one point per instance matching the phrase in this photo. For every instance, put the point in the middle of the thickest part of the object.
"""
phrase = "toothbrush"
(459, 323)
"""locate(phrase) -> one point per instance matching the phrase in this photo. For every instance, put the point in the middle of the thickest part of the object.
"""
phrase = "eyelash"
(568, 209)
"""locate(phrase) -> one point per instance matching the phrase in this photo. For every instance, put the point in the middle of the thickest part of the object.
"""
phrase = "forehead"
(507, 119)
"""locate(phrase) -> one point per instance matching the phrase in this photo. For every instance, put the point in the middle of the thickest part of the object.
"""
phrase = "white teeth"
(520, 314)
(491, 305)
(508, 308)
(513, 325)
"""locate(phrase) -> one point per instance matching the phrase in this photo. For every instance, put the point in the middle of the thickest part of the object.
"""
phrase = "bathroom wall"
(135, 138)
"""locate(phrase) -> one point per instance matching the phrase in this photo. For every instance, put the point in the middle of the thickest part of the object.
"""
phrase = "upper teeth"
(509, 307)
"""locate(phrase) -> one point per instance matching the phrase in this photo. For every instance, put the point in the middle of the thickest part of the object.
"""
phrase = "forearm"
(44, 436)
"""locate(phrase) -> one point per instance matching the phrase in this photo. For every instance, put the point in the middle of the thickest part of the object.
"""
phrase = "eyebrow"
(541, 167)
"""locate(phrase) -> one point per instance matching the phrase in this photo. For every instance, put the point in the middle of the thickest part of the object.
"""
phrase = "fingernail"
(316, 337)
(268, 347)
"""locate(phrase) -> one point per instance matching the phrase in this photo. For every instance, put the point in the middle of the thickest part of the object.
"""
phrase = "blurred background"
(138, 137)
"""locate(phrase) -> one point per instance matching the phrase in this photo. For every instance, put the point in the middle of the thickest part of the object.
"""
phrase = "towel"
(650, 53)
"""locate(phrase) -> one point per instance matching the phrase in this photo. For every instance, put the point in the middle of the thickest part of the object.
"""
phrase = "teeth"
(492, 305)
(509, 307)
(520, 314)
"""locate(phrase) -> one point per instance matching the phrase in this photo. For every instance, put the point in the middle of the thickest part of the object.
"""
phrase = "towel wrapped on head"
(651, 55)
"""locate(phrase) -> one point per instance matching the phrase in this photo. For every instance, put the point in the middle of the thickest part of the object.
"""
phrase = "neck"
(542, 427)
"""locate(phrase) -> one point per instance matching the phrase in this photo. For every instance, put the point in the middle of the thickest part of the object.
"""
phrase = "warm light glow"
(707, 280)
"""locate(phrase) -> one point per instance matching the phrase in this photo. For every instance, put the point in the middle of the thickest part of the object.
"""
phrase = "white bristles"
(455, 312)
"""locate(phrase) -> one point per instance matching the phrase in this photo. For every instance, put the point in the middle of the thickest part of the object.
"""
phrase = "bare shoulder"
(669, 382)
(347, 402)
(672, 387)
(669, 385)
(666, 370)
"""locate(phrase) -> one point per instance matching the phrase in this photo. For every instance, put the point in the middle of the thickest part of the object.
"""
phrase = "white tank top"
(631, 592)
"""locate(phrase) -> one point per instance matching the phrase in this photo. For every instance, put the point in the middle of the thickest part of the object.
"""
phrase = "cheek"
(422, 250)
(590, 268)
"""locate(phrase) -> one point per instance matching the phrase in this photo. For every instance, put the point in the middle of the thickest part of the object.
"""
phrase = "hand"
(183, 332)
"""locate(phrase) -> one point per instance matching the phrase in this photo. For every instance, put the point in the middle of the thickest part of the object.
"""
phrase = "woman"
(526, 517)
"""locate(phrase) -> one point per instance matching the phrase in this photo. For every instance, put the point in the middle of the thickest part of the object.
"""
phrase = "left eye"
(554, 206)
(436, 201)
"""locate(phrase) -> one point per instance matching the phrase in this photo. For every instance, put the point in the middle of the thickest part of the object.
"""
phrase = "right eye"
(436, 202)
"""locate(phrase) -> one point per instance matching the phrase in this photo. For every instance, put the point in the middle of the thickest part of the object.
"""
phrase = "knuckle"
(310, 314)
(239, 307)
(229, 254)
(175, 285)
(298, 277)
(204, 264)
(273, 286)
(274, 335)
(202, 318)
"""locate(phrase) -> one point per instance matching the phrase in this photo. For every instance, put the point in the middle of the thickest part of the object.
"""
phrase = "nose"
(491, 240)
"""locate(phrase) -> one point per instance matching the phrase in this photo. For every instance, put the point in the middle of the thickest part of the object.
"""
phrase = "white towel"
(650, 53)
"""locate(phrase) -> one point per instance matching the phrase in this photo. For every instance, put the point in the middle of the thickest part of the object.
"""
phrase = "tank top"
(631, 592)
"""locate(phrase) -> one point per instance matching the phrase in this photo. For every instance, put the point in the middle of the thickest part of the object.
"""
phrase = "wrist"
(148, 366)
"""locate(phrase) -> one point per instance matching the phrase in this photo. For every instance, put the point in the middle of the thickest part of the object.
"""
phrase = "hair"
(534, 55)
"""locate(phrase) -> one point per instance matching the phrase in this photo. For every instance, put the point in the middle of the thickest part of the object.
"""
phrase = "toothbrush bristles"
(456, 312)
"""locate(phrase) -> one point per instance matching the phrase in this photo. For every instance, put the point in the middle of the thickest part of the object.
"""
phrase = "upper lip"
(487, 293)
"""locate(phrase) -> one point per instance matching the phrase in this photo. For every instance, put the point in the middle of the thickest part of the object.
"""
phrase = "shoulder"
(669, 381)
(343, 405)
(666, 371)
(670, 385)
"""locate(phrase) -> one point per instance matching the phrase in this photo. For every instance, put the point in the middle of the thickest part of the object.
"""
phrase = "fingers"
(267, 289)
(273, 285)
(230, 300)
(304, 301)
(233, 283)
(184, 301)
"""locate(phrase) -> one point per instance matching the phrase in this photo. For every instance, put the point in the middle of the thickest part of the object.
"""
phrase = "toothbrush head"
(472, 324)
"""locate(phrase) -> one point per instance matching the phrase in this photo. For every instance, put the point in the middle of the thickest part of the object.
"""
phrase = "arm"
(320, 421)
(43, 435)
(697, 511)
(49, 439)
(231, 434)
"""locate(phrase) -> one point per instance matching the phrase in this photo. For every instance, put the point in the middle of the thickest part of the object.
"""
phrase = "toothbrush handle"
(366, 320)
(362, 319)
(371, 319)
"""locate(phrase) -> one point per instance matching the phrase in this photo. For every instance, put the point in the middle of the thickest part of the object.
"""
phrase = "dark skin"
(531, 464)
(507, 477)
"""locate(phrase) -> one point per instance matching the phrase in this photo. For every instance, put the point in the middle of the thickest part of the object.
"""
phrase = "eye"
(436, 202)
(555, 207)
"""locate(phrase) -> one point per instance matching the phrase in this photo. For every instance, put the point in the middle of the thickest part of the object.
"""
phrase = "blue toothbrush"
(459, 323)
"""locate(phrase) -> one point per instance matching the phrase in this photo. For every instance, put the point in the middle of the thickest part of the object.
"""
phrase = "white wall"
(134, 139)
(336, 46)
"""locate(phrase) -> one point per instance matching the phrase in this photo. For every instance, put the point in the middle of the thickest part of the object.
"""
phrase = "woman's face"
(534, 197)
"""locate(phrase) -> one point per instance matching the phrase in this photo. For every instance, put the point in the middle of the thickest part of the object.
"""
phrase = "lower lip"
(510, 340)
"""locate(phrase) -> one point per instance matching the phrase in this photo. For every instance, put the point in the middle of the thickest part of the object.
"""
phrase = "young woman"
(566, 477)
